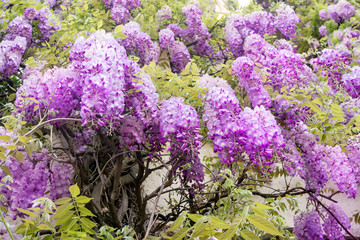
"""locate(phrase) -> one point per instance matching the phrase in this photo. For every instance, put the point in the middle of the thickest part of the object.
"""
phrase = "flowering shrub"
(107, 94)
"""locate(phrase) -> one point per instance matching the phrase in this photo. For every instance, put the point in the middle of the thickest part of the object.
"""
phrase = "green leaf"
(12, 97)
(63, 210)
(100, 24)
(219, 223)
(62, 201)
(83, 199)
(179, 235)
(263, 206)
(260, 211)
(23, 139)
(85, 212)
(74, 190)
(44, 227)
(178, 222)
(11, 147)
(231, 231)
(118, 29)
(19, 156)
(249, 235)
(88, 223)
(263, 224)
(5, 138)
(48, 237)
(163, 235)
(6, 170)
(65, 218)
(194, 217)
(27, 212)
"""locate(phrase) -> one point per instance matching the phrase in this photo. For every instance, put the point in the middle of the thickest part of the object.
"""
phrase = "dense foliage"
(99, 96)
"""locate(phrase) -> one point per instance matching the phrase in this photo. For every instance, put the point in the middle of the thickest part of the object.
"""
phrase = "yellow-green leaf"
(260, 211)
(88, 223)
(19, 156)
(12, 97)
(99, 24)
(62, 201)
(179, 235)
(195, 217)
(23, 139)
(85, 212)
(82, 199)
(5, 138)
(74, 190)
(263, 206)
(263, 224)
(219, 223)
(27, 212)
(11, 147)
(178, 222)
(249, 235)
(63, 210)
(6, 170)
(44, 227)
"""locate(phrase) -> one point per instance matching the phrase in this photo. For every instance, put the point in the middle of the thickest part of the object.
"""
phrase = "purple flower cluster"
(290, 113)
(262, 136)
(94, 82)
(283, 44)
(180, 126)
(82, 140)
(331, 63)
(309, 163)
(20, 35)
(221, 113)
(33, 178)
(351, 82)
(286, 20)
(139, 44)
(166, 38)
(120, 9)
(61, 178)
(234, 131)
(164, 13)
(100, 84)
(239, 27)
(307, 226)
(102, 63)
(350, 108)
(332, 228)
(175, 28)
(289, 69)
(132, 132)
(11, 52)
(19, 27)
(341, 11)
(323, 31)
(353, 153)
(141, 98)
(29, 183)
(323, 14)
(196, 31)
(340, 170)
(51, 88)
(249, 79)
(284, 67)
(179, 56)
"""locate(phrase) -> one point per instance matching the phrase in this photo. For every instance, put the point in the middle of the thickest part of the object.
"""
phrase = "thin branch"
(332, 214)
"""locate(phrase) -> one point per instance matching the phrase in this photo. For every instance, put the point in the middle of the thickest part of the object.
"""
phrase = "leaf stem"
(6, 226)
